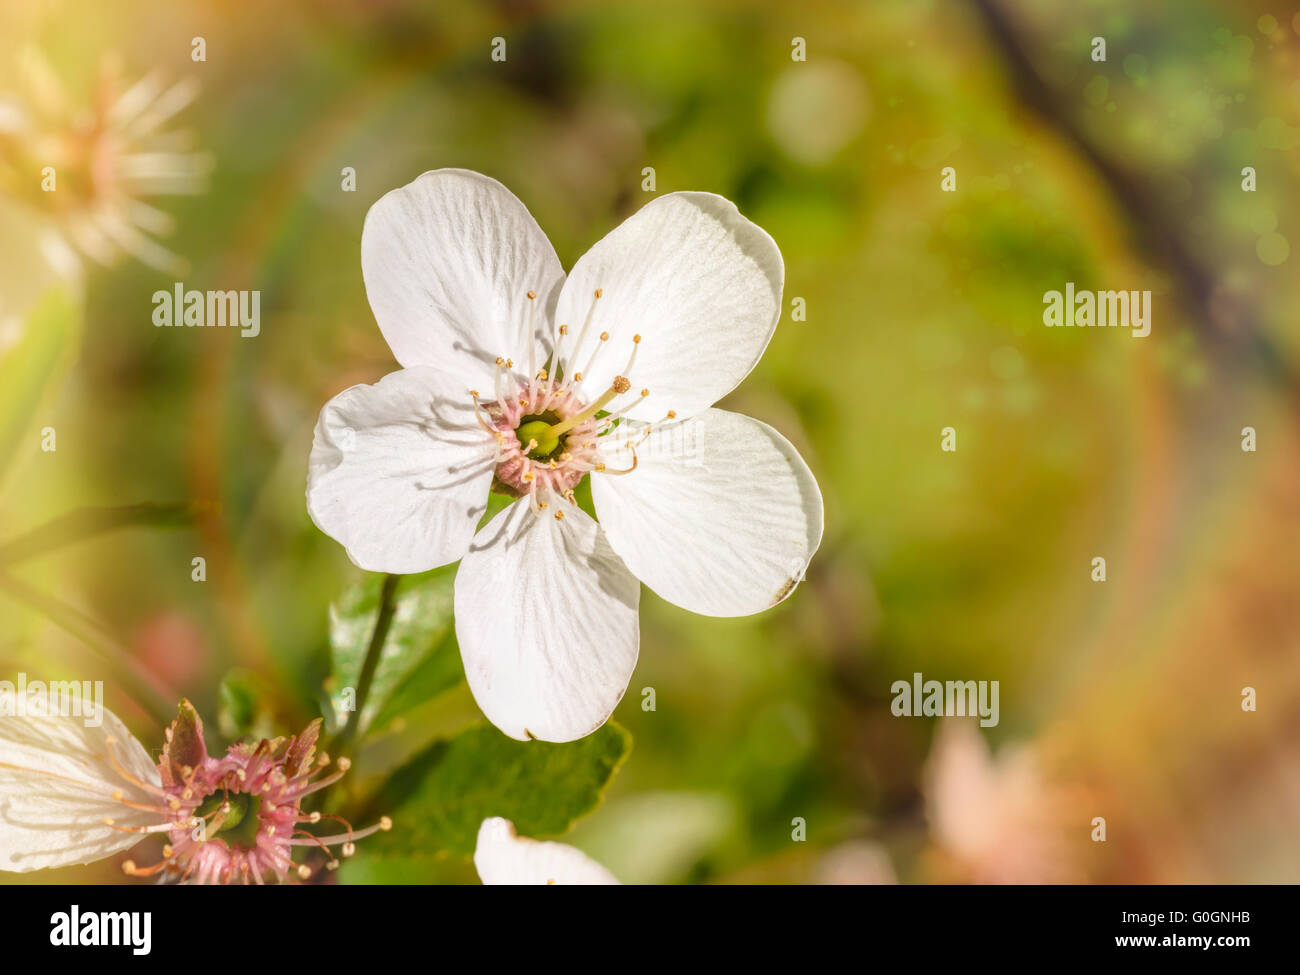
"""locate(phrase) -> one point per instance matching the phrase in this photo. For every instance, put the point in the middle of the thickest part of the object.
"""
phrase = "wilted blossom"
(72, 792)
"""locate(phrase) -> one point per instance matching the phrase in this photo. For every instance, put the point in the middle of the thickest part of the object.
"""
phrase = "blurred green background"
(924, 311)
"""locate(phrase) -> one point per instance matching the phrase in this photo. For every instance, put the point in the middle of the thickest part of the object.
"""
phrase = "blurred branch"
(1157, 228)
(155, 695)
(85, 523)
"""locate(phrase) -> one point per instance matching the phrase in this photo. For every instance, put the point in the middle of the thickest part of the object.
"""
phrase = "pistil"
(542, 439)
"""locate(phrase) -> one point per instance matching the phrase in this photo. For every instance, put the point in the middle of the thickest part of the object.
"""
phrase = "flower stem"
(387, 606)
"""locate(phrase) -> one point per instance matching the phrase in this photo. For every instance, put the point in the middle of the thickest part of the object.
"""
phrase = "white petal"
(721, 515)
(546, 616)
(57, 783)
(502, 857)
(448, 262)
(697, 281)
(400, 471)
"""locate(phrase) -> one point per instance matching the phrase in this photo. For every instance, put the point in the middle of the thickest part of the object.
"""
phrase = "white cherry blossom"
(518, 379)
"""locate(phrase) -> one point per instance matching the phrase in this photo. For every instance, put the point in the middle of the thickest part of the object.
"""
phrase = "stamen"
(530, 339)
(608, 421)
(384, 824)
(156, 828)
(604, 337)
(479, 416)
(131, 870)
(577, 346)
(117, 766)
(651, 427)
(601, 468)
(617, 388)
(556, 358)
(631, 361)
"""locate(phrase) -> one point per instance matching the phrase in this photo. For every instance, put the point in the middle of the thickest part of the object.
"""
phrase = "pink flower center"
(549, 431)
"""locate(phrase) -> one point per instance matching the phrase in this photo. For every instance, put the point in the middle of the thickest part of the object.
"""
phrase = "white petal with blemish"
(721, 515)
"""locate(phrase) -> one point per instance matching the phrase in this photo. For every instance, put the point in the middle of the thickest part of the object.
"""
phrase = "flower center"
(549, 435)
(537, 436)
(235, 815)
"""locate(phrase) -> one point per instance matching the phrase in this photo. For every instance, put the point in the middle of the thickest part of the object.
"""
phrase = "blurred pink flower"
(995, 817)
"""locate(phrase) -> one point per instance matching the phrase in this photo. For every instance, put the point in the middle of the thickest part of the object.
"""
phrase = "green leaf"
(245, 706)
(439, 800)
(419, 659)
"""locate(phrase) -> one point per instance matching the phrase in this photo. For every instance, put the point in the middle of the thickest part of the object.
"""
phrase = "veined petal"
(546, 616)
(503, 857)
(721, 515)
(57, 785)
(399, 471)
(448, 262)
(697, 281)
